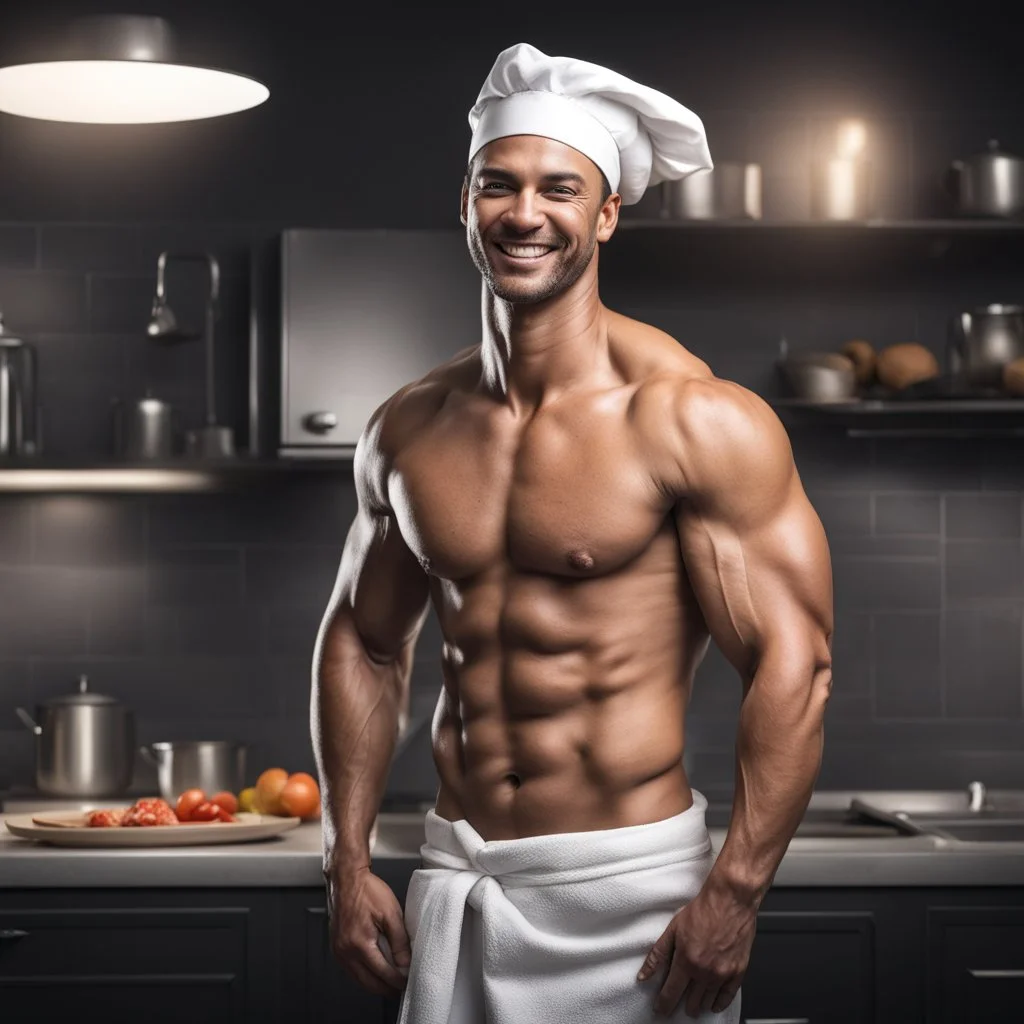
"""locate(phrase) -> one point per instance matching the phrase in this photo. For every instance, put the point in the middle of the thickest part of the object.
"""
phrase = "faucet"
(976, 796)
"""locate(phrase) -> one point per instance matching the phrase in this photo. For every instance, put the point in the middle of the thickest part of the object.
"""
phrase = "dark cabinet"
(814, 967)
(975, 964)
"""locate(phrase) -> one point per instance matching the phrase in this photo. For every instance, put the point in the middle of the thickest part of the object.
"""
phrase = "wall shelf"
(932, 226)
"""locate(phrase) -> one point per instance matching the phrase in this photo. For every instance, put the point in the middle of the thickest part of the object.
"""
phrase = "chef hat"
(636, 135)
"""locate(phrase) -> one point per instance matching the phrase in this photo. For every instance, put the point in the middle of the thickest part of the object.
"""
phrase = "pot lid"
(82, 696)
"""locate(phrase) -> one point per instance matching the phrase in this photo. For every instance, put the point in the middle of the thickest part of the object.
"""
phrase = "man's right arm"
(363, 660)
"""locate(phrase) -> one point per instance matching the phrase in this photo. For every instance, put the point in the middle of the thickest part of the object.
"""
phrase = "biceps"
(767, 586)
(381, 585)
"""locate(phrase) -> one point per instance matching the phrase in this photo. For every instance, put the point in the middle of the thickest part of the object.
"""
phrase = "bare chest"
(567, 494)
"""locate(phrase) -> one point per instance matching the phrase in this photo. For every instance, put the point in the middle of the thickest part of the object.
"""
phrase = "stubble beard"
(565, 272)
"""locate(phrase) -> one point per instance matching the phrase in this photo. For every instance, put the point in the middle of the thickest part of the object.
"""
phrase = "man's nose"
(524, 213)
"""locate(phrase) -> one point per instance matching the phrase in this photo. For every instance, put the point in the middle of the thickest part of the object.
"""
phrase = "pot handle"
(147, 755)
(29, 721)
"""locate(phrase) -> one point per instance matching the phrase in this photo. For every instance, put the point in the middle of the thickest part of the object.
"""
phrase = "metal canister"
(209, 765)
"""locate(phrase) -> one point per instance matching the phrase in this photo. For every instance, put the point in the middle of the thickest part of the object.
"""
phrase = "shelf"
(875, 417)
(960, 226)
(180, 475)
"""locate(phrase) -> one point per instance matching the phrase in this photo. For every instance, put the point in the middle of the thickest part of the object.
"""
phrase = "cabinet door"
(364, 313)
(811, 968)
(975, 964)
(124, 964)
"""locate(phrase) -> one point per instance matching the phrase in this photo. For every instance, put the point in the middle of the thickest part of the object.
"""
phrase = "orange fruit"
(300, 796)
(268, 789)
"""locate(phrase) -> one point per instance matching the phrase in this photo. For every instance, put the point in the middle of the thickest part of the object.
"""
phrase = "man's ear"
(608, 218)
(464, 204)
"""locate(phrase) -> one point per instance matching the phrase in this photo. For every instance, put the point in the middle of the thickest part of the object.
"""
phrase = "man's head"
(534, 211)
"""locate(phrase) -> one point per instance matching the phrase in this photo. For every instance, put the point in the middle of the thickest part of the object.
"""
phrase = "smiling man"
(584, 504)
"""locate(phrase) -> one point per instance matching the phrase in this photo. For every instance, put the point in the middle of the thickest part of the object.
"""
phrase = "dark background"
(201, 611)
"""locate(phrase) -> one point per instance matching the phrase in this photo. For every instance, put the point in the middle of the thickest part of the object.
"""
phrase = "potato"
(1013, 376)
(901, 365)
(862, 355)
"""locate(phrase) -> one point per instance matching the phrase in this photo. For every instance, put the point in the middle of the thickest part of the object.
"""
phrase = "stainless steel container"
(841, 189)
(728, 191)
(209, 765)
(989, 184)
(19, 404)
(983, 341)
(817, 376)
(143, 429)
(85, 744)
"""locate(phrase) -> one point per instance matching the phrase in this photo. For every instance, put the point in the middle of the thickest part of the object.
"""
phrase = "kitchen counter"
(294, 860)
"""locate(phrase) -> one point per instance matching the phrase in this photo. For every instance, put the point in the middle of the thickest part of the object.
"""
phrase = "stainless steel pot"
(85, 744)
(727, 191)
(817, 376)
(209, 765)
(989, 184)
(982, 342)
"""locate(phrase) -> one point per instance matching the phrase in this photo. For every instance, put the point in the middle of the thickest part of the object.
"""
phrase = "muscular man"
(583, 503)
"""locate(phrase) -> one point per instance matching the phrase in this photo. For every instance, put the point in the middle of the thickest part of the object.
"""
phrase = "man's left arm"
(758, 561)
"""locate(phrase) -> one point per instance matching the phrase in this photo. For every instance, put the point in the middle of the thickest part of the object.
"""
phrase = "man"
(584, 503)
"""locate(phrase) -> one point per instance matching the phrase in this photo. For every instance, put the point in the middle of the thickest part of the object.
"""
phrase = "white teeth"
(525, 250)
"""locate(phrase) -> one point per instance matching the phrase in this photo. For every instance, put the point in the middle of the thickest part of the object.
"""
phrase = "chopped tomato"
(205, 812)
(188, 802)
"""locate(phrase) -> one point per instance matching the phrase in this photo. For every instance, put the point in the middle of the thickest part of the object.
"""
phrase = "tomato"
(223, 814)
(226, 800)
(188, 802)
(205, 812)
(300, 796)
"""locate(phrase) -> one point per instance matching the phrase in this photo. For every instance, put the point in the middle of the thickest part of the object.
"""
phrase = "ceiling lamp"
(120, 69)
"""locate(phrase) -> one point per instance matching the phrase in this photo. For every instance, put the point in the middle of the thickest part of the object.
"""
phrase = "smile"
(524, 253)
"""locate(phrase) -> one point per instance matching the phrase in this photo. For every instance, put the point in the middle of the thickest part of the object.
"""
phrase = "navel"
(579, 559)
(513, 780)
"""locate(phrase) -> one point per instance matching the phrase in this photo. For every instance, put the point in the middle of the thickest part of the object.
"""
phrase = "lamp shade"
(121, 72)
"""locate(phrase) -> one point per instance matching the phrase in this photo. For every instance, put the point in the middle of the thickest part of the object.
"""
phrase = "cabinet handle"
(320, 422)
(975, 973)
(10, 934)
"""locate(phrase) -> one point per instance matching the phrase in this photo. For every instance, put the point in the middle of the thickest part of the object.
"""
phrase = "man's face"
(533, 216)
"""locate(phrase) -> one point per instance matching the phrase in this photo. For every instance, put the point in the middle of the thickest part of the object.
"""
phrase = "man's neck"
(534, 352)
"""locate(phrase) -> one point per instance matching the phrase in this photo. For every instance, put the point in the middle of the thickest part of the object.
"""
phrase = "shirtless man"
(584, 504)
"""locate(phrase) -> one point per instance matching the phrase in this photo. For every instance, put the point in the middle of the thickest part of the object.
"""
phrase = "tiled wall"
(200, 611)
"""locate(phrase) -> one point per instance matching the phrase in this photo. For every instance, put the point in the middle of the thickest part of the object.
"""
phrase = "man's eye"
(563, 190)
(492, 185)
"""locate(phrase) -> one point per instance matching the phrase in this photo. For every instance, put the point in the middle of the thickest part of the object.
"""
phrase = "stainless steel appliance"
(19, 402)
(726, 192)
(983, 341)
(210, 765)
(85, 743)
(363, 313)
(841, 189)
(988, 184)
(143, 429)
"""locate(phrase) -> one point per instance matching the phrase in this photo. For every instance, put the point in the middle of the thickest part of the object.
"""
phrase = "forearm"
(778, 755)
(357, 707)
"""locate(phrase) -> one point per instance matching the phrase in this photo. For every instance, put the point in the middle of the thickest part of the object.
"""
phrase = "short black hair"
(606, 189)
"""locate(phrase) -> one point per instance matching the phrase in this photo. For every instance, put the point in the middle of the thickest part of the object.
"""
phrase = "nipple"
(579, 559)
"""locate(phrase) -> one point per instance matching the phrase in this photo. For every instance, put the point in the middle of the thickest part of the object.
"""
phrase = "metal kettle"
(983, 341)
(19, 407)
(989, 184)
(85, 744)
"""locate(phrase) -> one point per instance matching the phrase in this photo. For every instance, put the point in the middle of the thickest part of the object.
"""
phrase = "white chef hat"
(636, 135)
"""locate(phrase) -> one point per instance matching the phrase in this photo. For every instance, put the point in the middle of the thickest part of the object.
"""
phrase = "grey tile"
(292, 677)
(843, 513)
(983, 516)
(18, 243)
(189, 519)
(830, 459)
(221, 632)
(73, 530)
(908, 513)
(90, 247)
(851, 766)
(730, 130)
(228, 243)
(16, 686)
(851, 656)
(875, 583)
(182, 577)
(124, 630)
(15, 530)
(120, 304)
(952, 464)
(279, 575)
(42, 301)
(292, 631)
(984, 570)
(312, 509)
(1002, 468)
(17, 757)
(893, 546)
(847, 707)
(908, 666)
(717, 689)
(66, 360)
(43, 612)
(983, 663)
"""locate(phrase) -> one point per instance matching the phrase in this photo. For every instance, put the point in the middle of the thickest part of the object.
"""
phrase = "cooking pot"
(209, 765)
(727, 191)
(989, 184)
(983, 341)
(85, 744)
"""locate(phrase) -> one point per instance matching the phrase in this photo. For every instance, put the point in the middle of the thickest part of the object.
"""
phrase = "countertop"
(294, 860)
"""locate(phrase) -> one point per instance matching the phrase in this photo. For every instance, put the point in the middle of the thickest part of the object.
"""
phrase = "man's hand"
(361, 906)
(706, 948)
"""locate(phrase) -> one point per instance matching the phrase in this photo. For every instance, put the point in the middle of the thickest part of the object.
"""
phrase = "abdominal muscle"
(568, 714)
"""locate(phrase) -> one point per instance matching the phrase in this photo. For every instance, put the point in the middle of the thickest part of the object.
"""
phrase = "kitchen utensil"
(210, 442)
(143, 428)
(85, 743)
(727, 191)
(983, 341)
(209, 765)
(75, 832)
(817, 376)
(19, 405)
(988, 184)
(841, 189)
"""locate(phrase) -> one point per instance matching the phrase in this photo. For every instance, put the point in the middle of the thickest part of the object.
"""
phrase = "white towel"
(557, 925)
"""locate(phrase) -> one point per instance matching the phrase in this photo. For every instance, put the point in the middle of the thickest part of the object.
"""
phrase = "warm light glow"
(128, 479)
(851, 138)
(124, 92)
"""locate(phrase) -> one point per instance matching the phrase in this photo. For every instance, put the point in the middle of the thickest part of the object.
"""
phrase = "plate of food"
(147, 823)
